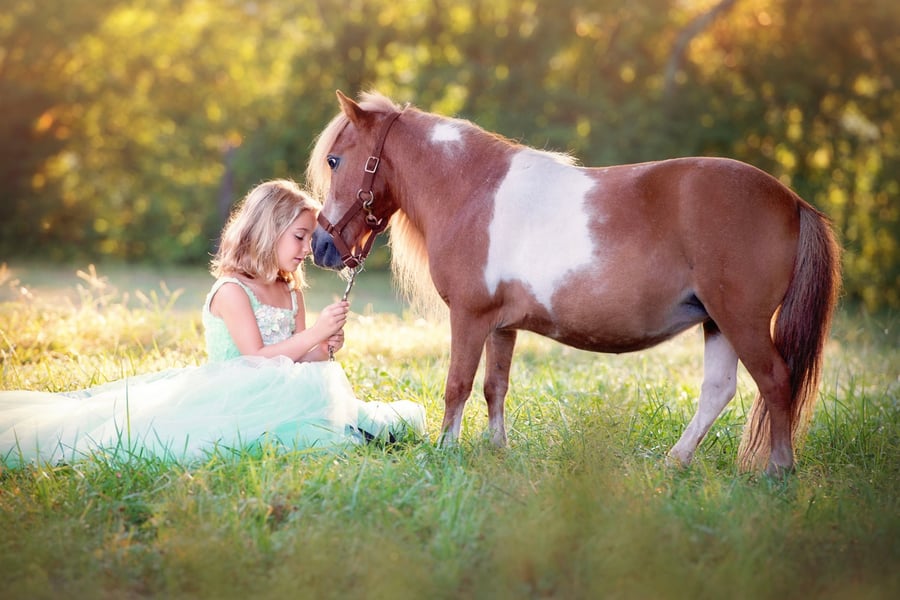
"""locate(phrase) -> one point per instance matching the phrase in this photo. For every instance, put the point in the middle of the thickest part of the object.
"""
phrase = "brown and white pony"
(611, 259)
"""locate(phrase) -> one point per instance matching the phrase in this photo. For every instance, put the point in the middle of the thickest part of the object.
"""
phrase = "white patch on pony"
(445, 132)
(539, 230)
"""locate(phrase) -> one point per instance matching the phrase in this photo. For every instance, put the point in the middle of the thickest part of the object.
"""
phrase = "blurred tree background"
(130, 126)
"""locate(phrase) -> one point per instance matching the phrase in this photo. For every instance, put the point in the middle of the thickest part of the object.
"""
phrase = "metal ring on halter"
(370, 194)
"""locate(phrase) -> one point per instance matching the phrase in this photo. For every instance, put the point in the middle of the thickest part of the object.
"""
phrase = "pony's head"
(351, 177)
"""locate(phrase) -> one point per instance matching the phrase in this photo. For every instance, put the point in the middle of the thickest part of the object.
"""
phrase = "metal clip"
(353, 272)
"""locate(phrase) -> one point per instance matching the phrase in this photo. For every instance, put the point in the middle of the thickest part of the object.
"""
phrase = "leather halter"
(366, 197)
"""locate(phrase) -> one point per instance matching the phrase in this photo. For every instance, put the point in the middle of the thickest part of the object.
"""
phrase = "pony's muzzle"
(325, 253)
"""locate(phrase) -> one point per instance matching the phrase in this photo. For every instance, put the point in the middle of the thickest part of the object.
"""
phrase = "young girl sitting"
(267, 380)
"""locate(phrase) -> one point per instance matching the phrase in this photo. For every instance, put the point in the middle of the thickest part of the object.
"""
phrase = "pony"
(608, 259)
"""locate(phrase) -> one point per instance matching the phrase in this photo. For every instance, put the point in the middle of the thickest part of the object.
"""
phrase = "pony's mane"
(563, 158)
(410, 269)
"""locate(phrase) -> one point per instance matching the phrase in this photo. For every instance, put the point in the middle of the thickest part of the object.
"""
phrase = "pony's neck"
(447, 162)
(446, 172)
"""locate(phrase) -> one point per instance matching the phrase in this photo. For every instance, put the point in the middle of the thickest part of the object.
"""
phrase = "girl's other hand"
(335, 342)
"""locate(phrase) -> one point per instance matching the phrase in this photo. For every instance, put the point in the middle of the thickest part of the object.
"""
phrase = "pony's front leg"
(500, 346)
(467, 341)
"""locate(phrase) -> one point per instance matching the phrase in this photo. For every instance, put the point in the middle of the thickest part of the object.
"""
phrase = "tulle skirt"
(187, 413)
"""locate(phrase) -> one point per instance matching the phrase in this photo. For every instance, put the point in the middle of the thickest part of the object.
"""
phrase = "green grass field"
(580, 505)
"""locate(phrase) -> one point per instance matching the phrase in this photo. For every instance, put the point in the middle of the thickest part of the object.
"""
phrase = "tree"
(136, 123)
(811, 95)
(36, 60)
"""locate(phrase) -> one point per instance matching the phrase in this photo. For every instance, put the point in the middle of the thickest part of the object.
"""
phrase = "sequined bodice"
(275, 324)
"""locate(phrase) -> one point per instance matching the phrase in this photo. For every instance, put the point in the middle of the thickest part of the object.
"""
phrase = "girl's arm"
(321, 350)
(233, 306)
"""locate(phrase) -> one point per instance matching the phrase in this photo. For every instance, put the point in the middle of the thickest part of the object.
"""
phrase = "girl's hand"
(335, 342)
(332, 318)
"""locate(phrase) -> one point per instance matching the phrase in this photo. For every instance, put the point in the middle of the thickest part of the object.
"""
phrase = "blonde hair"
(247, 245)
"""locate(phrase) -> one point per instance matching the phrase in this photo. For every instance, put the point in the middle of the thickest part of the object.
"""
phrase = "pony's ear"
(350, 108)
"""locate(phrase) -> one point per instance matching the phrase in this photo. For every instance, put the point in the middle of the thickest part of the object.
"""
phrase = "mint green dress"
(227, 405)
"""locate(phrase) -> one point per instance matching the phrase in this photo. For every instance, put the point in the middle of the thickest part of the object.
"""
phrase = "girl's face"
(294, 244)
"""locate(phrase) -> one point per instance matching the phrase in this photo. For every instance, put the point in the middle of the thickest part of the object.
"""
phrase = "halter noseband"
(366, 197)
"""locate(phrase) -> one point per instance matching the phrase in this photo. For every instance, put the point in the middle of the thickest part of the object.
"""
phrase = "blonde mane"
(409, 256)
(410, 268)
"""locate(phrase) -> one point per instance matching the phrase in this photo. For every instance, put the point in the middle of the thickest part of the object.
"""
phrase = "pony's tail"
(801, 330)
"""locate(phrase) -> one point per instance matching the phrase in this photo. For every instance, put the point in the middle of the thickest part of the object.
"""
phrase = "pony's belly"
(614, 342)
(616, 328)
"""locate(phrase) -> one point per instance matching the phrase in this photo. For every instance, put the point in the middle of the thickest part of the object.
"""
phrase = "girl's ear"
(350, 108)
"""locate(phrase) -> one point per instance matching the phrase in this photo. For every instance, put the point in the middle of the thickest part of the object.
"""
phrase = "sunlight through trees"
(131, 125)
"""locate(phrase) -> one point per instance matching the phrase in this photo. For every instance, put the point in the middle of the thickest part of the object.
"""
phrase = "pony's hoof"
(776, 471)
(677, 461)
(498, 439)
(447, 440)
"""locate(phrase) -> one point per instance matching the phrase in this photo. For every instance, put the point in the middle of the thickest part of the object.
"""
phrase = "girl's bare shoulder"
(230, 295)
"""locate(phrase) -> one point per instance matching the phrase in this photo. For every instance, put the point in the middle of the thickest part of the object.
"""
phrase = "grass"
(580, 505)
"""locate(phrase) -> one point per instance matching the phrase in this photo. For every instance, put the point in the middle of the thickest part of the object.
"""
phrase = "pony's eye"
(333, 161)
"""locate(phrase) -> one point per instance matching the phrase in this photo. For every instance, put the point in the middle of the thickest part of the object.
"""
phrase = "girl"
(253, 307)
(267, 379)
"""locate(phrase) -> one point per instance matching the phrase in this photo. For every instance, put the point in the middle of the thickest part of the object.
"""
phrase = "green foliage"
(580, 505)
(133, 125)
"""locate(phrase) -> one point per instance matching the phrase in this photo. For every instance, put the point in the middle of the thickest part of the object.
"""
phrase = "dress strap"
(254, 302)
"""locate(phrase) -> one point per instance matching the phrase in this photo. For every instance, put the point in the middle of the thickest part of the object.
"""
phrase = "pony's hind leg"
(719, 385)
(500, 346)
(768, 434)
(772, 376)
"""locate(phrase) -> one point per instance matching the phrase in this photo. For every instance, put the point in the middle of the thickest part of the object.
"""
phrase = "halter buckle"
(372, 164)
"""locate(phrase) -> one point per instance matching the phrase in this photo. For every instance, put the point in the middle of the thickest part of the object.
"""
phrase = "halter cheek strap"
(366, 199)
